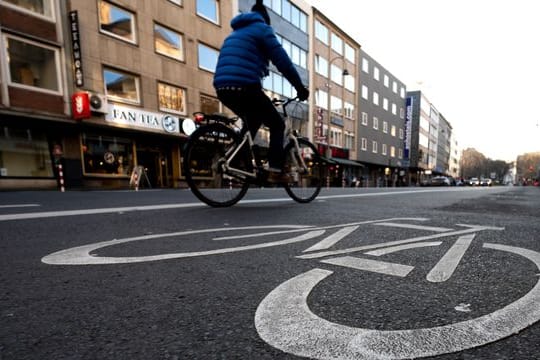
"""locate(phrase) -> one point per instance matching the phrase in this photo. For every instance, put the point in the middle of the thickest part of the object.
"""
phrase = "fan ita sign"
(131, 117)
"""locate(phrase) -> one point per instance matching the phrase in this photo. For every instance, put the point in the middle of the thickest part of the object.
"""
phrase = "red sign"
(80, 106)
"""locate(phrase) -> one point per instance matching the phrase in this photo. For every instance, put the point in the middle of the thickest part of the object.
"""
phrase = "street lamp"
(329, 105)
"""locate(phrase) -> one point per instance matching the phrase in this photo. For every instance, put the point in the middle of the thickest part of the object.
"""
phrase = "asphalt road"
(449, 273)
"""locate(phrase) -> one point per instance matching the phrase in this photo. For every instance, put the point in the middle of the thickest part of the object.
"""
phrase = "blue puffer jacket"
(246, 52)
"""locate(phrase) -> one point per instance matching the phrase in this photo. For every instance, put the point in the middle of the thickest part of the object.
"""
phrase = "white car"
(485, 182)
(474, 181)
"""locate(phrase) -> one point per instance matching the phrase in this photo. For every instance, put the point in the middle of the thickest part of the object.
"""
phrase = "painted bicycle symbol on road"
(285, 321)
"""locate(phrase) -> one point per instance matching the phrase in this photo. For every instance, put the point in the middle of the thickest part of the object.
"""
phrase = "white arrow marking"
(332, 239)
(381, 267)
(448, 263)
(284, 320)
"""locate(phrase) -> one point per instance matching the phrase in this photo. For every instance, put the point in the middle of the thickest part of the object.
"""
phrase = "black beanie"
(261, 9)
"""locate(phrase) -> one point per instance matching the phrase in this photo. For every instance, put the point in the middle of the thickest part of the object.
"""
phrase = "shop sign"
(136, 118)
(80, 106)
(76, 48)
(408, 128)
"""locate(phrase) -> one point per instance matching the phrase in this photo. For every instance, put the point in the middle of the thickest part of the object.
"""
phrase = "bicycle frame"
(291, 136)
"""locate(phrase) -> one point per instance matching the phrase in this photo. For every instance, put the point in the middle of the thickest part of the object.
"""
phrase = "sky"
(477, 61)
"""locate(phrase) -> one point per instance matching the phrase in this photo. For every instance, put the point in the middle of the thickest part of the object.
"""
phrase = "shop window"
(24, 153)
(117, 22)
(172, 98)
(33, 64)
(40, 7)
(121, 86)
(168, 42)
(106, 155)
(210, 105)
(208, 9)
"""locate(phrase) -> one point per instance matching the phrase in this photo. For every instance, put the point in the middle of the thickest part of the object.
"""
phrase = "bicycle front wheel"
(204, 158)
(306, 181)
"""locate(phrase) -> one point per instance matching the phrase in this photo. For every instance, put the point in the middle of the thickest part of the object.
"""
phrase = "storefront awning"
(346, 162)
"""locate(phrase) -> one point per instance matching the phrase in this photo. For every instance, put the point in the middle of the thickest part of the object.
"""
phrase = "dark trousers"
(255, 109)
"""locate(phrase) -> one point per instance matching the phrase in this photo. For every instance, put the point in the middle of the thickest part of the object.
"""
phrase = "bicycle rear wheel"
(204, 157)
(306, 183)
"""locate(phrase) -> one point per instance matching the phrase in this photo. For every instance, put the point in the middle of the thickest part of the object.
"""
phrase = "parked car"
(485, 182)
(474, 181)
(440, 181)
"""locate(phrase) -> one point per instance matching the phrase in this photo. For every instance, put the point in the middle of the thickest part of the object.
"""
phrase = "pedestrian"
(242, 64)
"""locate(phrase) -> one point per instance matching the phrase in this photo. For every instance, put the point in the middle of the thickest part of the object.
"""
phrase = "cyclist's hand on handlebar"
(302, 93)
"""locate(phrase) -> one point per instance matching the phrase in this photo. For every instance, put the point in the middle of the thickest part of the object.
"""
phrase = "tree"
(528, 166)
(473, 163)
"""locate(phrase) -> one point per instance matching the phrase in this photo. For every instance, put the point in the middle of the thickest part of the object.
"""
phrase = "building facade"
(381, 128)
(127, 73)
(334, 101)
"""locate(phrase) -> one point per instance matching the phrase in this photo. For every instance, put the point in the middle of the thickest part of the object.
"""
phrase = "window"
(168, 42)
(117, 22)
(394, 109)
(375, 98)
(337, 43)
(321, 32)
(402, 93)
(209, 105)
(364, 144)
(106, 155)
(393, 151)
(384, 149)
(171, 98)
(321, 65)
(400, 153)
(349, 140)
(385, 104)
(386, 80)
(336, 73)
(122, 86)
(350, 53)
(349, 110)
(33, 65)
(374, 147)
(376, 73)
(385, 127)
(394, 87)
(375, 123)
(349, 83)
(321, 99)
(393, 130)
(277, 84)
(364, 118)
(40, 7)
(336, 105)
(208, 9)
(401, 133)
(207, 58)
(401, 113)
(365, 92)
(365, 65)
(24, 153)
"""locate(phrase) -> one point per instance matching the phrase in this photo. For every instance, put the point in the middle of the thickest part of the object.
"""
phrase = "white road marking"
(448, 263)
(398, 242)
(415, 227)
(393, 249)
(81, 255)
(284, 320)
(381, 267)
(332, 239)
(18, 206)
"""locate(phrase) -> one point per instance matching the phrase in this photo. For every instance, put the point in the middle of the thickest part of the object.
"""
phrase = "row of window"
(337, 105)
(384, 148)
(289, 12)
(386, 78)
(336, 73)
(385, 126)
(39, 8)
(385, 103)
(334, 41)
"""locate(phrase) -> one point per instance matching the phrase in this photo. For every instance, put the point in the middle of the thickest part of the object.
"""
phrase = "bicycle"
(222, 161)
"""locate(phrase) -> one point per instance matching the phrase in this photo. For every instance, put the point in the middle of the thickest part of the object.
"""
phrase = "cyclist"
(242, 64)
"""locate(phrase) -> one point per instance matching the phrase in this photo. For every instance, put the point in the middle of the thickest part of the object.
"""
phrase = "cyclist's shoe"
(276, 176)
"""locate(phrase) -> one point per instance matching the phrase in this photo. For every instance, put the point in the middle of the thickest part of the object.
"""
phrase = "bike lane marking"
(284, 320)
(81, 255)
(377, 266)
(449, 262)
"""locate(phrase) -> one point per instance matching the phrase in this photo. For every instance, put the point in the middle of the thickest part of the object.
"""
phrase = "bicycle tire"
(304, 187)
(204, 150)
